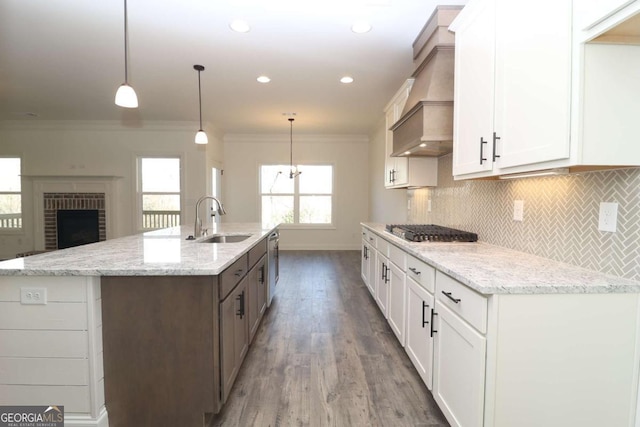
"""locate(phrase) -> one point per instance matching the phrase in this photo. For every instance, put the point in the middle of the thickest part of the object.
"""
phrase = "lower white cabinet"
(458, 369)
(383, 277)
(419, 340)
(505, 360)
(396, 307)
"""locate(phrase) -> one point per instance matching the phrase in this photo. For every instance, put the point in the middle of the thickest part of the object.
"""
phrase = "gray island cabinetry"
(150, 329)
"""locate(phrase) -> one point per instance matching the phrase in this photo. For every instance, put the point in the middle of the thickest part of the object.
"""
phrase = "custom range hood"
(425, 127)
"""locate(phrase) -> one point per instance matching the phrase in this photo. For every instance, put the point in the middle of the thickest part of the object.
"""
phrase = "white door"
(419, 343)
(458, 369)
(397, 300)
(474, 91)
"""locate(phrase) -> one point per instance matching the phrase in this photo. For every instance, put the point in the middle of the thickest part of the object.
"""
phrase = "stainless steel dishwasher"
(273, 255)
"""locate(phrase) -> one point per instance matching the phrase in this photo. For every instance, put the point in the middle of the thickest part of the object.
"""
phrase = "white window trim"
(296, 199)
(20, 230)
(138, 184)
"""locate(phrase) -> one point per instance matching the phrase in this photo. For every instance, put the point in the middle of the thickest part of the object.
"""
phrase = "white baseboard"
(86, 421)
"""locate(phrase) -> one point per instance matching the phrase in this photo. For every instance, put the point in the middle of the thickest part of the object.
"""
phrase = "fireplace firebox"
(77, 227)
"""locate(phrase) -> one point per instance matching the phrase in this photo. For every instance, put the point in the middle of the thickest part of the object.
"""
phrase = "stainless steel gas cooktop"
(430, 233)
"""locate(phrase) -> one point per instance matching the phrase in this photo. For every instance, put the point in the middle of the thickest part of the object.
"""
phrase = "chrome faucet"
(197, 229)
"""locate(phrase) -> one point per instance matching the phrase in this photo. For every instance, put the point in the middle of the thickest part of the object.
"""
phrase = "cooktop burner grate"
(430, 233)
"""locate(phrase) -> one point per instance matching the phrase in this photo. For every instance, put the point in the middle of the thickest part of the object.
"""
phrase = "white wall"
(385, 206)
(349, 155)
(77, 149)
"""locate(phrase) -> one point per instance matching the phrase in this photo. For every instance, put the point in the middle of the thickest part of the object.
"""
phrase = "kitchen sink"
(225, 238)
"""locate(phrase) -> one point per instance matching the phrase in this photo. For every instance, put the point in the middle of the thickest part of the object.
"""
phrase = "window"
(159, 189)
(10, 194)
(307, 199)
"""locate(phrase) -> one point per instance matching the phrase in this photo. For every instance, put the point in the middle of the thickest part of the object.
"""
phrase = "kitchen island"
(505, 338)
(158, 323)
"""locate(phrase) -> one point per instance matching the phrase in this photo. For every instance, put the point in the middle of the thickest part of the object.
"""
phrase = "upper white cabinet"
(403, 172)
(588, 13)
(513, 85)
(531, 95)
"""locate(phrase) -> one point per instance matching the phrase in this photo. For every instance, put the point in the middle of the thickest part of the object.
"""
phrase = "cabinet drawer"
(383, 246)
(422, 273)
(398, 257)
(232, 275)
(468, 304)
(372, 239)
(256, 252)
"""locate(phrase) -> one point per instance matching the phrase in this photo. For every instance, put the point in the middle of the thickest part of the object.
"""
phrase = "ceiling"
(64, 60)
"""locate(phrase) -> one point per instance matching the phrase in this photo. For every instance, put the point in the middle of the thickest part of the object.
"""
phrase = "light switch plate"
(518, 210)
(608, 219)
(33, 296)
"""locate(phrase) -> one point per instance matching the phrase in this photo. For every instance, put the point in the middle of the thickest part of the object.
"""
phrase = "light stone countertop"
(156, 253)
(490, 269)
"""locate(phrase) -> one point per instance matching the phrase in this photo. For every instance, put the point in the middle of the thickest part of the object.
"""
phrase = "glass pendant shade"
(201, 137)
(126, 97)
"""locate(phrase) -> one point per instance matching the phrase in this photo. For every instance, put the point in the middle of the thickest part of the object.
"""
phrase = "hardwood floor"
(325, 356)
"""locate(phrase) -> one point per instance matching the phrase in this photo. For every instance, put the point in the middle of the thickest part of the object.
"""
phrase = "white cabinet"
(532, 95)
(419, 339)
(459, 369)
(383, 277)
(588, 13)
(396, 308)
(368, 266)
(512, 89)
(402, 172)
(459, 352)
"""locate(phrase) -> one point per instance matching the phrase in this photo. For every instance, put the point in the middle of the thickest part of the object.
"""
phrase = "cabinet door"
(396, 307)
(458, 369)
(389, 162)
(419, 345)
(257, 296)
(233, 336)
(532, 81)
(474, 89)
(383, 277)
(366, 268)
(587, 13)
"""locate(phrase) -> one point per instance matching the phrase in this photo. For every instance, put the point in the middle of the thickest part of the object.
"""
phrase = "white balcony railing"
(153, 220)
(11, 221)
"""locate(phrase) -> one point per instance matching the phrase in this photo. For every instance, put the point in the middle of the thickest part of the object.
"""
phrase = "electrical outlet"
(518, 210)
(33, 295)
(608, 220)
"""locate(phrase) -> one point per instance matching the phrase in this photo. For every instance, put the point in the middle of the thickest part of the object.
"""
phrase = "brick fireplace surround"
(53, 202)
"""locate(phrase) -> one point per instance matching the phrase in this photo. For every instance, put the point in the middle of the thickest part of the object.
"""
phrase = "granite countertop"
(491, 269)
(156, 253)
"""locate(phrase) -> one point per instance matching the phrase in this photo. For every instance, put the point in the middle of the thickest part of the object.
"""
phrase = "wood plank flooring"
(325, 356)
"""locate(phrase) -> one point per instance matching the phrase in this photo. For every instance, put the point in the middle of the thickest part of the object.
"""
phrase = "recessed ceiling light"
(240, 26)
(407, 153)
(361, 27)
(424, 144)
(346, 80)
(263, 79)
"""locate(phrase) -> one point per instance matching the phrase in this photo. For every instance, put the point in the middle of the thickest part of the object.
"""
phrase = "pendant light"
(126, 96)
(293, 171)
(201, 137)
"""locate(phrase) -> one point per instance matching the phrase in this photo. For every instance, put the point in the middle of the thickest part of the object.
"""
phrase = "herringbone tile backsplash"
(560, 215)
